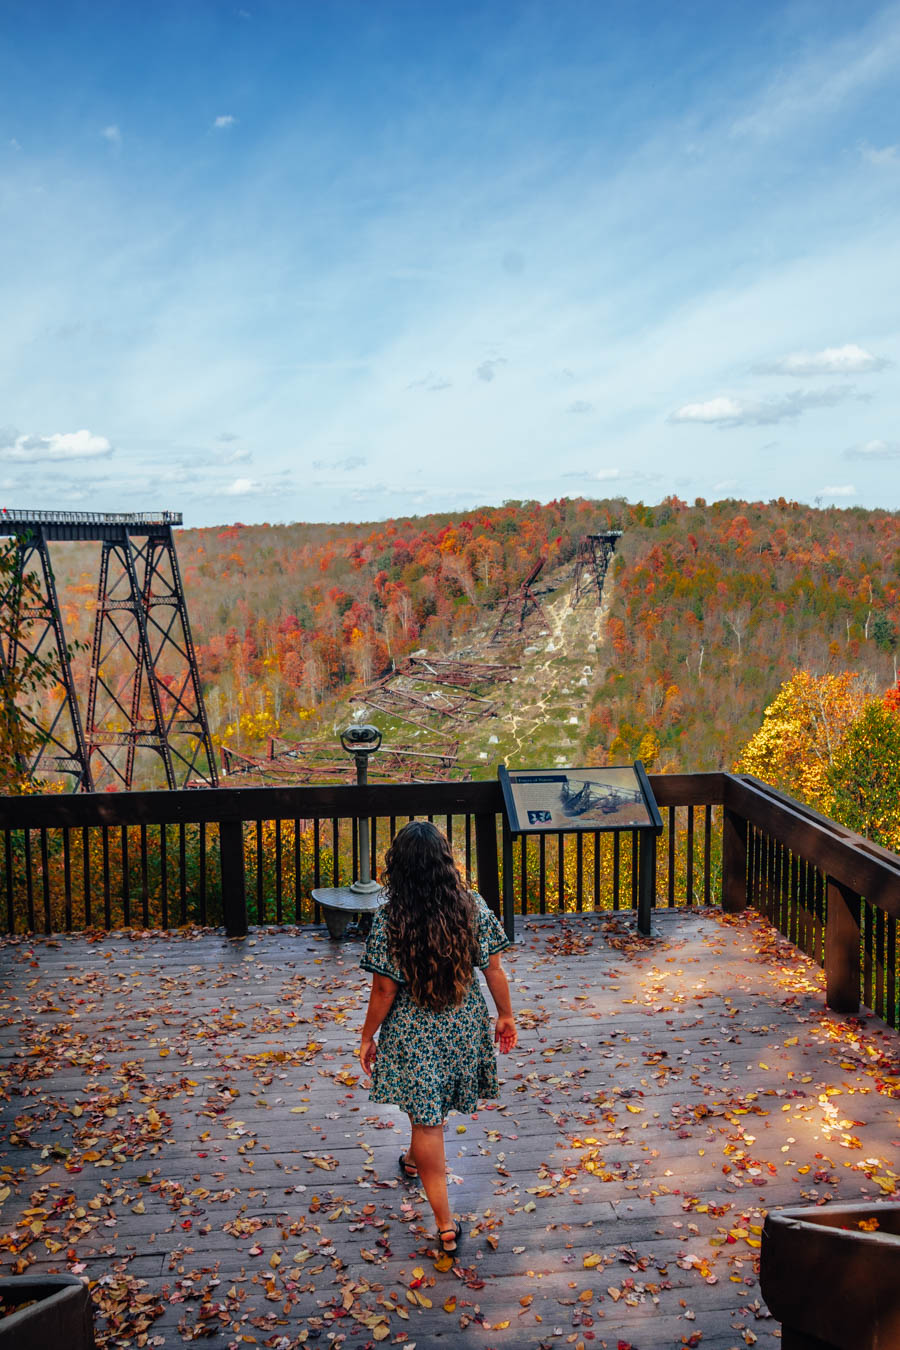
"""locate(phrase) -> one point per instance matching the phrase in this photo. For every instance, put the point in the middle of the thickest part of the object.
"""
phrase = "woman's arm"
(381, 1000)
(505, 1033)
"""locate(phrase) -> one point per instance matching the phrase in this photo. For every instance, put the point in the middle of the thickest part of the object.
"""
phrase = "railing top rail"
(250, 803)
(301, 802)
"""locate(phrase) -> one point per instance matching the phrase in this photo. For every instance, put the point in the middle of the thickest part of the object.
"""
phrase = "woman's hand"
(368, 1049)
(505, 1034)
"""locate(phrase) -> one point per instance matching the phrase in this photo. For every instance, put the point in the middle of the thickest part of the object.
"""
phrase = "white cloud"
(597, 475)
(112, 134)
(884, 154)
(841, 490)
(874, 450)
(242, 487)
(59, 446)
(847, 360)
(237, 457)
(580, 406)
(725, 411)
(223, 121)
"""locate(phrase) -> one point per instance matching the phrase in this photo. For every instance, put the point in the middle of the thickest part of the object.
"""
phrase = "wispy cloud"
(839, 490)
(580, 406)
(847, 360)
(223, 121)
(112, 134)
(345, 465)
(236, 457)
(431, 383)
(874, 450)
(725, 411)
(595, 475)
(488, 369)
(881, 155)
(58, 446)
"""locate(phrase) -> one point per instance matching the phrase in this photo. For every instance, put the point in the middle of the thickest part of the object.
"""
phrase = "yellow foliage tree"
(802, 731)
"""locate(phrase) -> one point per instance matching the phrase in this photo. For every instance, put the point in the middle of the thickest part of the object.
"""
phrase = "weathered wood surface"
(183, 1122)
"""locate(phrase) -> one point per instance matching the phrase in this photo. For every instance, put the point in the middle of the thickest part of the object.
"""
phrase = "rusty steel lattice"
(144, 689)
(592, 563)
(519, 606)
(35, 640)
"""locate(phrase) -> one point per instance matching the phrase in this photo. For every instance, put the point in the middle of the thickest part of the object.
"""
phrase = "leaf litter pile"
(184, 1126)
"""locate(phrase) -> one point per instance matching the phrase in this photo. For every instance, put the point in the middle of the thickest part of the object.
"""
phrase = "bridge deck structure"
(185, 1126)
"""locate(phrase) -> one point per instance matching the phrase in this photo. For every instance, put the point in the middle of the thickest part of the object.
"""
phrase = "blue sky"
(340, 261)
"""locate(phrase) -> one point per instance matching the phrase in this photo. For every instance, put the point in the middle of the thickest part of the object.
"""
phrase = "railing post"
(234, 890)
(734, 862)
(509, 894)
(646, 877)
(842, 948)
(486, 860)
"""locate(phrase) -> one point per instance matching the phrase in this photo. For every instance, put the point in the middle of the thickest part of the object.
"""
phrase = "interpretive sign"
(575, 801)
(617, 797)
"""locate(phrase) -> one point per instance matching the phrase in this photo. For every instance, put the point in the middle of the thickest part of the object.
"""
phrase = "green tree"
(884, 633)
(864, 776)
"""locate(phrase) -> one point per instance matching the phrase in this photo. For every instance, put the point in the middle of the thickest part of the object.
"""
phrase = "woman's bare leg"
(427, 1152)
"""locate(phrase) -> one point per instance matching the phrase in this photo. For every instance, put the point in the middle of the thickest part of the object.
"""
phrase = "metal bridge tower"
(592, 563)
(144, 688)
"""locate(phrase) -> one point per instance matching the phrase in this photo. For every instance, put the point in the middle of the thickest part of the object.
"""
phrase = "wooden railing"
(830, 891)
(239, 856)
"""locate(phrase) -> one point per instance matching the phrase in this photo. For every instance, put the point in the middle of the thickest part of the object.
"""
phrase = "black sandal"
(407, 1169)
(448, 1235)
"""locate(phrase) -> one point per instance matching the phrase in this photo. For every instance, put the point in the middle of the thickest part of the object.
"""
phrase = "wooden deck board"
(697, 1072)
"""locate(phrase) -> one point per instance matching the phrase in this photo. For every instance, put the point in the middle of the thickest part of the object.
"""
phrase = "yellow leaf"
(592, 1260)
(450, 1304)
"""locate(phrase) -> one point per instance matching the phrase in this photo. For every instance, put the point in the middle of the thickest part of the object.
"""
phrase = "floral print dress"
(429, 1063)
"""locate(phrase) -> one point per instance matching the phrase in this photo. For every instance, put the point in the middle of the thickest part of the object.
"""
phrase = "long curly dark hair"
(429, 917)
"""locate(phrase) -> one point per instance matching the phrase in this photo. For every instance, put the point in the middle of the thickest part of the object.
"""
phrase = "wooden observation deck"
(185, 1126)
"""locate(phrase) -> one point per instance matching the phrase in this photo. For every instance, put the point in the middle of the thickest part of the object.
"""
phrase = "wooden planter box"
(59, 1315)
(832, 1284)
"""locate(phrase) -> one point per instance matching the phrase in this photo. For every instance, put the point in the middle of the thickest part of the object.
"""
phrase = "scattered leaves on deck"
(185, 1127)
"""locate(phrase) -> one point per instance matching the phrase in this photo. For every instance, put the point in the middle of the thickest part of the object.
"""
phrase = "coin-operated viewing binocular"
(361, 739)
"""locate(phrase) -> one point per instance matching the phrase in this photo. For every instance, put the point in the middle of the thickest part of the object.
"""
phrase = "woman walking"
(435, 1052)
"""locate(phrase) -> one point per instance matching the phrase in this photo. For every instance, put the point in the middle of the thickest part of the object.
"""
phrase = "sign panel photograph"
(617, 797)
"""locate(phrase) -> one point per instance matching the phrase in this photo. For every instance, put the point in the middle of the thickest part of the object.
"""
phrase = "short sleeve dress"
(430, 1063)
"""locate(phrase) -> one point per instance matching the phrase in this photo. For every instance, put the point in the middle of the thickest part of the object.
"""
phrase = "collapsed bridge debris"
(426, 691)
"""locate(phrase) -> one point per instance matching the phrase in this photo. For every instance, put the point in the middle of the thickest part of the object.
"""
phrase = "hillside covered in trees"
(708, 610)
